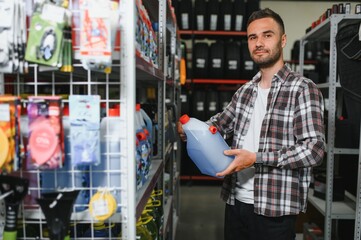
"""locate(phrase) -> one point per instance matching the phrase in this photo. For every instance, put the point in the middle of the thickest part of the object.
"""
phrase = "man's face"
(265, 42)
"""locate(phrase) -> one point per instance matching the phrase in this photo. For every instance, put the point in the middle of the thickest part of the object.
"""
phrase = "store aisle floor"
(201, 213)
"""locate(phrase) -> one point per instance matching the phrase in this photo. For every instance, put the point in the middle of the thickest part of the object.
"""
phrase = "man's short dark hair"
(267, 13)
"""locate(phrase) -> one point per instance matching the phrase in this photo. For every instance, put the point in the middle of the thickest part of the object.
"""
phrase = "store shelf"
(322, 31)
(212, 33)
(340, 209)
(145, 191)
(327, 31)
(146, 71)
(217, 81)
(168, 214)
(327, 85)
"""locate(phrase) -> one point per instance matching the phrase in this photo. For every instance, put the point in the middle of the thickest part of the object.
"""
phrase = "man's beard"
(268, 61)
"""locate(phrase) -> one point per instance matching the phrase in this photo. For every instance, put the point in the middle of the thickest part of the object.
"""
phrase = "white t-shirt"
(245, 178)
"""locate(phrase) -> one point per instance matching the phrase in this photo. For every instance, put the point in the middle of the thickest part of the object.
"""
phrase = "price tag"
(100, 207)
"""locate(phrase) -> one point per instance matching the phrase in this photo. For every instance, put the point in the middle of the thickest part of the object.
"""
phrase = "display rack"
(129, 72)
(327, 31)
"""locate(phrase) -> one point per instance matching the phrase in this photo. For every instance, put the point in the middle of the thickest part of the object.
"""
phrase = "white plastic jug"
(205, 146)
(107, 173)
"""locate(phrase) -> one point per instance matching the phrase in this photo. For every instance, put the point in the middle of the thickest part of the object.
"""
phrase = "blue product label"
(85, 129)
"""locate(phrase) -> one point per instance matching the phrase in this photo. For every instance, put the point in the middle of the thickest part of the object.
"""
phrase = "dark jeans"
(241, 223)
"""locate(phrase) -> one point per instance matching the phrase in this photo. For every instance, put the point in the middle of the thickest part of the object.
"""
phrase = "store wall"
(297, 17)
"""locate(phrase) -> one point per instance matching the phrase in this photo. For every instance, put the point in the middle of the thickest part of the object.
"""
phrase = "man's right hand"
(181, 132)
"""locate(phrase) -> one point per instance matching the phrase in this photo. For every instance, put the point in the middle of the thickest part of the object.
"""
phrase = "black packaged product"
(213, 15)
(251, 6)
(200, 60)
(233, 60)
(198, 105)
(216, 60)
(239, 16)
(226, 13)
(212, 103)
(248, 66)
(349, 71)
(186, 13)
(200, 15)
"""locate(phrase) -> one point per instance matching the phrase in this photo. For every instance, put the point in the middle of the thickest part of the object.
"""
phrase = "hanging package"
(85, 129)
(10, 140)
(46, 35)
(99, 19)
(12, 36)
(45, 146)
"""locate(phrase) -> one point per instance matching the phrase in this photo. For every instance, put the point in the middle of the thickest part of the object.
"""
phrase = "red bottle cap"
(141, 136)
(66, 110)
(213, 129)
(184, 119)
(137, 107)
(113, 112)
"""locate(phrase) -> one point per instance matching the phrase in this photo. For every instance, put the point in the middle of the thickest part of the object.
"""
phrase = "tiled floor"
(201, 214)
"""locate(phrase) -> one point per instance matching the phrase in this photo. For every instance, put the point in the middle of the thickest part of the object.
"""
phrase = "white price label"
(100, 207)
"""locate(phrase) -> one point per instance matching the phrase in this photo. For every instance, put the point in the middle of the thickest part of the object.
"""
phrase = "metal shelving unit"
(129, 71)
(350, 208)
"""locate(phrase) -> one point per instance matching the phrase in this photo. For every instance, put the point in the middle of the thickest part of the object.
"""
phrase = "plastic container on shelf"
(107, 173)
(205, 146)
(145, 144)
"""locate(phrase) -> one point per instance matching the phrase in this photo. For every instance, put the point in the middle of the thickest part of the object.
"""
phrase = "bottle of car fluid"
(205, 146)
(144, 146)
(107, 173)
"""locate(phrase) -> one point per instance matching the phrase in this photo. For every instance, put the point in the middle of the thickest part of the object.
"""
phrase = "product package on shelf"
(45, 41)
(10, 141)
(12, 36)
(146, 37)
(45, 148)
(98, 25)
(145, 142)
(85, 129)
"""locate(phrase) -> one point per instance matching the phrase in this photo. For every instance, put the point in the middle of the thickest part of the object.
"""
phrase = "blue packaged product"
(205, 146)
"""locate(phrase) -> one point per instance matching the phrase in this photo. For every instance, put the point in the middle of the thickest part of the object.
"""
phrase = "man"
(276, 125)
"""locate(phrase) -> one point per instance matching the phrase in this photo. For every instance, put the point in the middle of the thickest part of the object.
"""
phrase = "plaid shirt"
(291, 141)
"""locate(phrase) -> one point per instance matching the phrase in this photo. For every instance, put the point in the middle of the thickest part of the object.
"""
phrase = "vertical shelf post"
(128, 82)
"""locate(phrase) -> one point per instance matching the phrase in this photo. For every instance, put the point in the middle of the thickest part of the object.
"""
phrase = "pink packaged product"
(45, 144)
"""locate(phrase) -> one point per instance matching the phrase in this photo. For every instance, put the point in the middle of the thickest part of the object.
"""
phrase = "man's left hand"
(243, 159)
